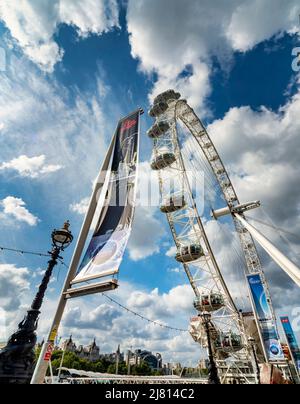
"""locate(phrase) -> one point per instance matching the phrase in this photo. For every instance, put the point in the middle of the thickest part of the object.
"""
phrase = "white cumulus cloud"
(181, 36)
(171, 252)
(13, 283)
(101, 318)
(32, 167)
(80, 207)
(33, 24)
(16, 208)
(254, 21)
(148, 231)
(90, 16)
(177, 299)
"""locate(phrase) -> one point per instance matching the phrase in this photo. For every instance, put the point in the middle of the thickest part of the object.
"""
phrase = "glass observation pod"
(209, 302)
(163, 160)
(173, 204)
(167, 96)
(158, 129)
(229, 342)
(220, 171)
(189, 253)
(158, 109)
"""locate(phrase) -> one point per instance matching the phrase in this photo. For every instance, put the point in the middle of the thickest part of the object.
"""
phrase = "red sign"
(128, 125)
(49, 352)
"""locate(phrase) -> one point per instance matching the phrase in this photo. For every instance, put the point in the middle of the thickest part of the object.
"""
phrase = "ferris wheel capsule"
(207, 145)
(214, 158)
(158, 109)
(189, 253)
(167, 96)
(158, 129)
(173, 204)
(220, 171)
(209, 302)
(163, 161)
(229, 342)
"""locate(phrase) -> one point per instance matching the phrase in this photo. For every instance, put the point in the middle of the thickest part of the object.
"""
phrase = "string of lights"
(156, 323)
(24, 252)
(142, 317)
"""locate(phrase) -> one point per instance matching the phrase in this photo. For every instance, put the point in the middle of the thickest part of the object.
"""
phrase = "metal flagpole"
(61, 364)
(45, 355)
(287, 265)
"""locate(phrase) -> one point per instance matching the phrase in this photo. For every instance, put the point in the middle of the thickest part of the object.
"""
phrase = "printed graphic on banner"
(268, 328)
(49, 352)
(107, 247)
(53, 334)
(292, 340)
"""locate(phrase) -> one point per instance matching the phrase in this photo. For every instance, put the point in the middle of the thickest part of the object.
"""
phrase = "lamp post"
(129, 362)
(18, 357)
(213, 377)
(118, 354)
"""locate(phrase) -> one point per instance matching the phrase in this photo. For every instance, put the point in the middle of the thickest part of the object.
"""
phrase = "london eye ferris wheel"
(180, 142)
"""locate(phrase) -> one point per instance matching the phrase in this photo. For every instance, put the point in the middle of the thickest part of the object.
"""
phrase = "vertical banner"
(267, 326)
(291, 340)
(107, 247)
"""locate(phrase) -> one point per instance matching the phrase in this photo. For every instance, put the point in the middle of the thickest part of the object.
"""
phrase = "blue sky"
(66, 110)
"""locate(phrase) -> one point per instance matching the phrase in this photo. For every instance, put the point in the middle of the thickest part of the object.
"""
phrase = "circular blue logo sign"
(274, 350)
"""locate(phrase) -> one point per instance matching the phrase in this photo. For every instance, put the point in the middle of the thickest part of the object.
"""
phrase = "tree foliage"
(72, 361)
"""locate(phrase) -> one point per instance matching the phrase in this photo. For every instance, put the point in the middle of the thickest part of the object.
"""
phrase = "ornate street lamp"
(18, 357)
(213, 377)
(61, 239)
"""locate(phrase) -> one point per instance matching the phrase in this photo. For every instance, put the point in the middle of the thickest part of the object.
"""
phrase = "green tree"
(157, 373)
(142, 370)
(72, 361)
(111, 369)
(57, 355)
(55, 365)
(123, 370)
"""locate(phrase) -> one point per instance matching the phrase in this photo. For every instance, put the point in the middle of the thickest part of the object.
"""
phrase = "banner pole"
(47, 349)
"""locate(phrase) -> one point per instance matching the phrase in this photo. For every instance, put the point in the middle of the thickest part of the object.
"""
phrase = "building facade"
(139, 356)
(90, 352)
